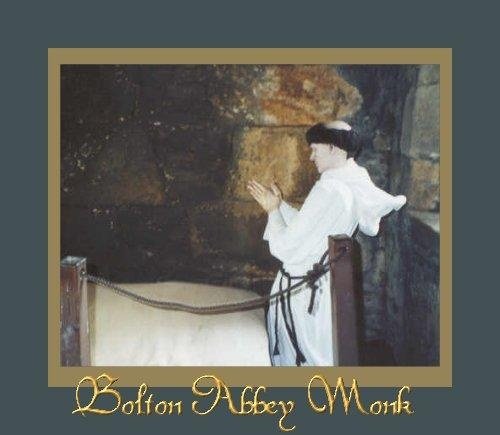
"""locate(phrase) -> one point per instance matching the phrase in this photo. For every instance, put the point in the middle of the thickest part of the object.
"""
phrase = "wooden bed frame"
(345, 293)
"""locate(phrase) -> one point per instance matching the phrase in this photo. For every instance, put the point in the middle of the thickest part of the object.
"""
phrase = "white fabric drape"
(339, 201)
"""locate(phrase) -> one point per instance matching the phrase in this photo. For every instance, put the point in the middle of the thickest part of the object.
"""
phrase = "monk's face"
(323, 156)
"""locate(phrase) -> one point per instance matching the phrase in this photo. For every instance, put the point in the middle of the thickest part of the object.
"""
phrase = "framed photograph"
(303, 195)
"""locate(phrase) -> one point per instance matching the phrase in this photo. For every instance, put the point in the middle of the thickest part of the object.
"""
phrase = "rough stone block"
(428, 74)
(128, 243)
(420, 138)
(262, 153)
(381, 141)
(289, 95)
(232, 229)
(124, 172)
(423, 193)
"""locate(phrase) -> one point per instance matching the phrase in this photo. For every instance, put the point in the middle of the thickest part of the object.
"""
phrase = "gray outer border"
(30, 30)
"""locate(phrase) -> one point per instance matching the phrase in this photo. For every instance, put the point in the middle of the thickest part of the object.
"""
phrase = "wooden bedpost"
(345, 315)
(74, 320)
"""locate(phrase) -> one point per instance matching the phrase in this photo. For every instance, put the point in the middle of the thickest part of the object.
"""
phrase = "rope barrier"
(318, 270)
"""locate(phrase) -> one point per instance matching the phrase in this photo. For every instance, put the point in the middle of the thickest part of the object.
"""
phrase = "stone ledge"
(429, 218)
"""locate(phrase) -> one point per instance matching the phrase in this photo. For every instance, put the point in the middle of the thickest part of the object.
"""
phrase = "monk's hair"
(329, 134)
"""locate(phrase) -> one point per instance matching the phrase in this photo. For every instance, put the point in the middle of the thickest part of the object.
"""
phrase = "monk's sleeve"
(294, 241)
(287, 213)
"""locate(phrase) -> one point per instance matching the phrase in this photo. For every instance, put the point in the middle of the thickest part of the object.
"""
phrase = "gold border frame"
(439, 376)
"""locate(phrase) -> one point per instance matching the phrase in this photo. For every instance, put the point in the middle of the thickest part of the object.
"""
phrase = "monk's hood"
(371, 203)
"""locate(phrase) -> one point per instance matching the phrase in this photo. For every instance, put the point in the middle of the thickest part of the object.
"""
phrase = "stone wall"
(155, 160)
(412, 303)
(379, 123)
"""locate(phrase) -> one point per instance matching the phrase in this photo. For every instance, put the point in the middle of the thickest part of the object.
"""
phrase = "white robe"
(339, 201)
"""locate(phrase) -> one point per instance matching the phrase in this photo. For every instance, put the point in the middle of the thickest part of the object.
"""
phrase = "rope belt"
(311, 277)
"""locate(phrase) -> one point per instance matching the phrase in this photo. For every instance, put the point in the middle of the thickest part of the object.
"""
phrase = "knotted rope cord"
(310, 278)
(299, 356)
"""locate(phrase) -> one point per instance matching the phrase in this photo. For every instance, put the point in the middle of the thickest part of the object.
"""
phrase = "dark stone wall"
(379, 123)
(145, 160)
(412, 292)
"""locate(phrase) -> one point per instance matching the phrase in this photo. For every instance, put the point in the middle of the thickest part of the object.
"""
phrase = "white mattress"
(126, 333)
